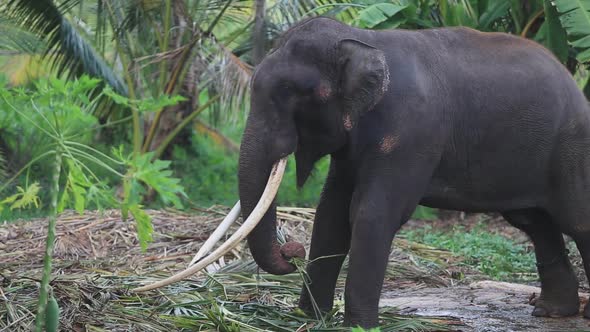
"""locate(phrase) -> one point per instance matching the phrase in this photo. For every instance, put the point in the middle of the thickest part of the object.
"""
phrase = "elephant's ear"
(364, 80)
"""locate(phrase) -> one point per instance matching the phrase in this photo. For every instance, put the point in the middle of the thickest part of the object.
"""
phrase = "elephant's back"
(495, 58)
(465, 66)
(508, 101)
(495, 75)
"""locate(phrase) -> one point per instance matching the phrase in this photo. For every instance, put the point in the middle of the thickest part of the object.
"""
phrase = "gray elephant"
(448, 118)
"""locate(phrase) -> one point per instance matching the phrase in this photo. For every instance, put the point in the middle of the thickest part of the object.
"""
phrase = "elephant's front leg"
(330, 242)
(378, 210)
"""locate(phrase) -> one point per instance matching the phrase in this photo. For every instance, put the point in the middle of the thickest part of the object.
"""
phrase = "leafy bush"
(27, 134)
(57, 111)
(50, 127)
(309, 195)
(208, 173)
(424, 213)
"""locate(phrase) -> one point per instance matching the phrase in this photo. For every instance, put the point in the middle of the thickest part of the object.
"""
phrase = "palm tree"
(205, 50)
(144, 48)
(259, 33)
(154, 41)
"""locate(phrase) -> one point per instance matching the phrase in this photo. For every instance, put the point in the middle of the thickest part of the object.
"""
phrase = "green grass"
(492, 254)
(8, 215)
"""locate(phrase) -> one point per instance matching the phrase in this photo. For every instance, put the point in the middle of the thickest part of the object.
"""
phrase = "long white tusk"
(231, 217)
(270, 191)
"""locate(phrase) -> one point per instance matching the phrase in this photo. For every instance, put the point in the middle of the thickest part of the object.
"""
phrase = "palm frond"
(71, 53)
(213, 65)
(285, 13)
(78, 57)
(136, 11)
(16, 39)
(229, 71)
(227, 75)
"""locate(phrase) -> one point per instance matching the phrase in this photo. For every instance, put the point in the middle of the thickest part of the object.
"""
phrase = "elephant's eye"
(284, 91)
(307, 86)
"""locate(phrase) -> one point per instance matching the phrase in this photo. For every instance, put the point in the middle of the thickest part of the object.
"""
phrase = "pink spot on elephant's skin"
(347, 122)
(388, 143)
(324, 91)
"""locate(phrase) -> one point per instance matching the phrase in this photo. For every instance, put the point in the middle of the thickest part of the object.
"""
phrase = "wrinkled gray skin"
(448, 118)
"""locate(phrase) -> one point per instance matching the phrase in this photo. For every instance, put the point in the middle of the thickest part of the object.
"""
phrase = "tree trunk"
(259, 34)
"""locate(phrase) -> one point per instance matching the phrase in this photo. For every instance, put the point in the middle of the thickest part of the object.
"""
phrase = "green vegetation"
(51, 121)
(360, 329)
(56, 113)
(211, 176)
(492, 254)
(144, 36)
(103, 100)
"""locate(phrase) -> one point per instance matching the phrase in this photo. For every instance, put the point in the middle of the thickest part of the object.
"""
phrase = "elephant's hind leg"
(583, 244)
(559, 286)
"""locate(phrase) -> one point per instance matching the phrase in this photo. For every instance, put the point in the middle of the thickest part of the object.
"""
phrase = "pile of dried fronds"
(97, 260)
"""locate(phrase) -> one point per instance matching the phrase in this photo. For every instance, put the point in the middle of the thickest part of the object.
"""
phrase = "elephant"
(449, 118)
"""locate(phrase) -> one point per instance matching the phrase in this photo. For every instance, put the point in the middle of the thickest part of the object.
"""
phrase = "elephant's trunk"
(256, 160)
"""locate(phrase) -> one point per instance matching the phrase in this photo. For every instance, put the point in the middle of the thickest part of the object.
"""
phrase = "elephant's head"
(306, 95)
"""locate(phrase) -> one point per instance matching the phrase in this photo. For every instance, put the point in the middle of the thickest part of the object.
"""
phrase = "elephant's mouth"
(200, 261)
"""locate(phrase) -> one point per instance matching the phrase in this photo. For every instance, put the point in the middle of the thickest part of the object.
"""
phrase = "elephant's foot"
(587, 310)
(559, 290)
(311, 311)
(366, 318)
(311, 308)
(563, 305)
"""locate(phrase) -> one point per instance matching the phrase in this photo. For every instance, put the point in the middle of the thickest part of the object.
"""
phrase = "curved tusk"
(231, 217)
(270, 191)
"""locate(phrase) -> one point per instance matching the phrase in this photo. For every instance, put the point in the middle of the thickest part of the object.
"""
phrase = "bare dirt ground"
(484, 305)
(97, 260)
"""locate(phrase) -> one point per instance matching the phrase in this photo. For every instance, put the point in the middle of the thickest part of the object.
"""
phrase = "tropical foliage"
(562, 26)
(200, 51)
(57, 113)
(107, 103)
(55, 119)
